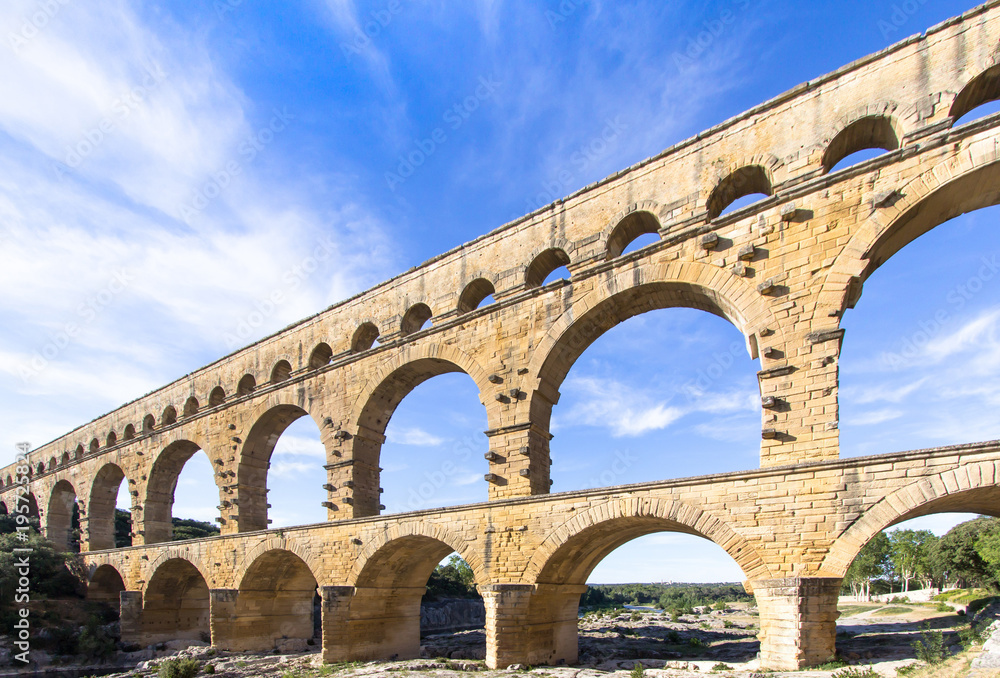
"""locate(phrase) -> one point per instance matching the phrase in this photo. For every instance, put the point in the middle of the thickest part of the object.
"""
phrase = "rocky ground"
(724, 643)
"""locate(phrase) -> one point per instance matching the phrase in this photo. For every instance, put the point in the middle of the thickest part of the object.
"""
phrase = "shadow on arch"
(275, 607)
(105, 586)
(175, 604)
(389, 582)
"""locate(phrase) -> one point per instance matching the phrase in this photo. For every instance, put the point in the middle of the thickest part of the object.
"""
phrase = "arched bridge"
(783, 270)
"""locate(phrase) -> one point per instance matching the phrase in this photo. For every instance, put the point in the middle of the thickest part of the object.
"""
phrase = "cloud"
(413, 436)
(877, 417)
(290, 445)
(628, 412)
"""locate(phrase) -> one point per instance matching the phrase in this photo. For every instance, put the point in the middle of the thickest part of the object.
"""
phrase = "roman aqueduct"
(783, 270)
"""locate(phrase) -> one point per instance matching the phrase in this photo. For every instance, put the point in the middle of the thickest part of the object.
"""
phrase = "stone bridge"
(783, 270)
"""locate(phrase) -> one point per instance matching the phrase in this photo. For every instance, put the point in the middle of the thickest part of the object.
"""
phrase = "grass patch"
(893, 609)
(851, 610)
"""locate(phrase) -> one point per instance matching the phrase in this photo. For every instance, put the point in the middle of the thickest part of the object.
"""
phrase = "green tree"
(123, 528)
(910, 553)
(455, 579)
(957, 558)
(988, 548)
(186, 528)
(871, 563)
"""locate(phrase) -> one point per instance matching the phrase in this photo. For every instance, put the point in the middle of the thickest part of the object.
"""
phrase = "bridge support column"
(335, 627)
(130, 615)
(222, 619)
(522, 464)
(798, 621)
(508, 607)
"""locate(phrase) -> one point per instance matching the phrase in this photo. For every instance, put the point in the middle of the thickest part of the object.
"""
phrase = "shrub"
(944, 607)
(94, 642)
(638, 671)
(857, 672)
(721, 666)
(974, 633)
(930, 648)
(209, 668)
(178, 668)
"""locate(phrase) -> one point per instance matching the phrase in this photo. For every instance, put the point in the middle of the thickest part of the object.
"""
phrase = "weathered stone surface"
(802, 516)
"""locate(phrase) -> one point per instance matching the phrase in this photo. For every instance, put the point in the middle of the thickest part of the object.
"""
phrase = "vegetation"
(675, 599)
(186, 528)
(178, 668)
(969, 555)
(453, 580)
(930, 648)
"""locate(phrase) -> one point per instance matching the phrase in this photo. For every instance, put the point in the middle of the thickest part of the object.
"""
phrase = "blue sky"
(166, 165)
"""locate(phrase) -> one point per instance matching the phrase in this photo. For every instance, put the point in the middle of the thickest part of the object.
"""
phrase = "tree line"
(968, 555)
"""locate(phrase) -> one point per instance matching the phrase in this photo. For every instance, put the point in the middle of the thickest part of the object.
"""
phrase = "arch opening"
(217, 396)
(129, 432)
(175, 605)
(62, 519)
(191, 407)
(321, 356)
(642, 546)
(165, 478)
(282, 371)
(104, 525)
(475, 294)
(981, 90)
(169, 416)
(105, 586)
(95, 446)
(148, 423)
(246, 385)
(365, 337)
(871, 133)
(751, 183)
(389, 590)
(541, 269)
(416, 318)
(631, 229)
(277, 456)
(919, 361)
(275, 608)
(79, 451)
(411, 438)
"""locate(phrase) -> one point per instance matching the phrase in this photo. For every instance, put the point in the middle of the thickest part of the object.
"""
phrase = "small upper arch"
(191, 406)
(217, 396)
(544, 263)
(169, 416)
(129, 432)
(320, 356)
(364, 337)
(415, 318)
(867, 132)
(281, 371)
(474, 294)
(148, 423)
(95, 446)
(982, 89)
(246, 385)
(79, 451)
(747, 180)
(628, 228)
(112, 438)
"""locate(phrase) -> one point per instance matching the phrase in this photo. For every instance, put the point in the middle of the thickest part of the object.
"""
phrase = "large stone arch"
(61, 504)
(973, 487)
(398, 535)
(381, 395)
(158, 501)
(269, 419)
(967, 182)
(279, 542)
(176, 601)
(626, 293)
(101, 506)
(388, 581)
(105, 584)
(610, 524)
(274, 606)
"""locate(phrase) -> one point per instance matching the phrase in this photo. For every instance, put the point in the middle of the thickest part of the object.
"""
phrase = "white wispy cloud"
(877, 417)
(412, 436)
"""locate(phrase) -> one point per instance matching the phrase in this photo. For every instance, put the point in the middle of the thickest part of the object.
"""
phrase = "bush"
(944, 607)
(721, 666)
(857, 672)
(178, 668)
(930, 648)
(94, 642)
(638, 671)
(974, 633)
